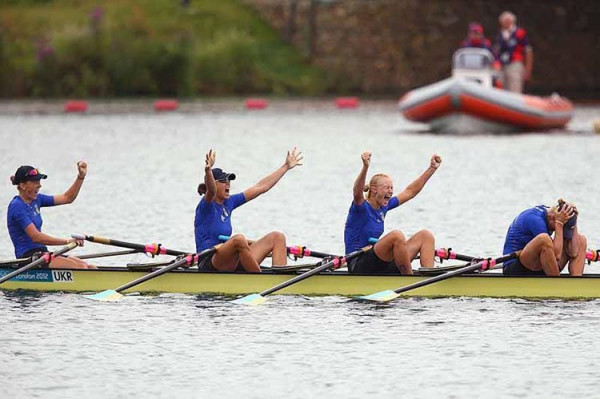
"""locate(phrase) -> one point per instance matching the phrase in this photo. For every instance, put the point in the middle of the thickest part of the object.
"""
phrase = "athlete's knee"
(277, 237)
(397, 237)
(426, 234)
(545, 240)
(239, 241)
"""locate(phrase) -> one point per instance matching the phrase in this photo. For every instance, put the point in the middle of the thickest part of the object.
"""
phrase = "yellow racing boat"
(488, 284)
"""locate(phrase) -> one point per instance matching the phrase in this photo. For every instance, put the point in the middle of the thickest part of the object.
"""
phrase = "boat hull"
(336, 283)
(488, 109)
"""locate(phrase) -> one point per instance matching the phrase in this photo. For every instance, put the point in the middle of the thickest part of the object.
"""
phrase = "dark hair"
(201, 188)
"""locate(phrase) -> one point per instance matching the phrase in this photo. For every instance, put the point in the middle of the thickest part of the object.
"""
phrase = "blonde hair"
(508, 14)
(375, 179)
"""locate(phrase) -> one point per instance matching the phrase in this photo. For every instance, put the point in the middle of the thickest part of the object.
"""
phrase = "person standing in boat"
(213, 218)
(24, 219)
(514, 53)
(393, 253)
(542, 254)
(476, 38)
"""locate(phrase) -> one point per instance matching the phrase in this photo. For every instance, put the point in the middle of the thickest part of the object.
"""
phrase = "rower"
(541, 254)
(24, 219)
(393, 253)
(213, 219)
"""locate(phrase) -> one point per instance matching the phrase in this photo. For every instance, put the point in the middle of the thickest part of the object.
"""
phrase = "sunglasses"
(33, 172)
(222, 180)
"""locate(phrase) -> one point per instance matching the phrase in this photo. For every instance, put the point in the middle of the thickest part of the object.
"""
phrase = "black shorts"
(34, 251)
(516, 268)
(369, 263)
(205, 265)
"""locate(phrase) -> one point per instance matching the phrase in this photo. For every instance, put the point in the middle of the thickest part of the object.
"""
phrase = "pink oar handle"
(593, 255)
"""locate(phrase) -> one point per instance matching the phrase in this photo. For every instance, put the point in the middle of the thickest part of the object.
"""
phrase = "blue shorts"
(369, 263)
(516, 268)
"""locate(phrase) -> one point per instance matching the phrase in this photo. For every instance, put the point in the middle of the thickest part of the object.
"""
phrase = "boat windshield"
(472, 58)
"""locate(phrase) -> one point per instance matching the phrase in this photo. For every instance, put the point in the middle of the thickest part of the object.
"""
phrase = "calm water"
(141, 187)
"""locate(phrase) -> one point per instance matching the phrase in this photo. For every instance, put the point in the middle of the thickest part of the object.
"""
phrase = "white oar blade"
(108, 295)
(381, 296)
(252, 299)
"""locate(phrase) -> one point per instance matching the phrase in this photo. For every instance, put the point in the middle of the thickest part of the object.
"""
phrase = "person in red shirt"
(514, 53)
(476, 38)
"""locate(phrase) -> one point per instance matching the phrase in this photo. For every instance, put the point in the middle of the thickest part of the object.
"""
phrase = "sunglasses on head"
(33, 172)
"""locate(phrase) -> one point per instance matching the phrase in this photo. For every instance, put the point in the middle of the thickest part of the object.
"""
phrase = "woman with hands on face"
(393, 253)
(24, 219)
(213, 218)
(540, 253)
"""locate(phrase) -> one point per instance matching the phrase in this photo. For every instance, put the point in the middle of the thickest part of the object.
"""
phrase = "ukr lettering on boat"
(64, 276)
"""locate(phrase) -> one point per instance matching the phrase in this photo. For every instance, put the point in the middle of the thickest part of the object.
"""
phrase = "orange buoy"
(256, 103)
(76, 106)
(346, 102)
(166, 105)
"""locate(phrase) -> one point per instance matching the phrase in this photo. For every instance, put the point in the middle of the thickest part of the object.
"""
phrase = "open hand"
(436, 161)
(210, 159)
(566, 213)
(293, 158)
(81, 169)
(366, 158)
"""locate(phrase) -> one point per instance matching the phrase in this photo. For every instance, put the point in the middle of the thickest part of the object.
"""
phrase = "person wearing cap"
(514, 52)
(540, 253)
(392, 253)
(475, 38)
(24, 219)
(213, 219)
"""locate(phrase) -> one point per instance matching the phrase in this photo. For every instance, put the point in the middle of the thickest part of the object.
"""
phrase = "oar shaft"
(456, 272)
(447, 253)
(155, 249)
(303, 251)
(187, 260)
(106, 254)
(332, 263)
(46, 258)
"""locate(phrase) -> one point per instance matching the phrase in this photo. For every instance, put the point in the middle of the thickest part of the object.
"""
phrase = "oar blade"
(105, 296)
(252, 299)
(381, 296)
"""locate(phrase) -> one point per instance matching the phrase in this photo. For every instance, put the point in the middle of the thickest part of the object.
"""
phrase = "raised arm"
(209, 179)
(292, 159)
(417, 185)
(70, 195)
(359, 183)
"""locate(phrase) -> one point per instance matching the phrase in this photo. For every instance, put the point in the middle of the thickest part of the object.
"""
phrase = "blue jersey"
(529, 224)
(20, 215)
(213, 220)
(364, 222)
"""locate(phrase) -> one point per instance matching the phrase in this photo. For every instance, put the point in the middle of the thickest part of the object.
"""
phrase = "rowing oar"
(592, 255)
(188, 260)
(256, 299)
(45, 258)
(298, 251)
(153, 249)
(388, 295)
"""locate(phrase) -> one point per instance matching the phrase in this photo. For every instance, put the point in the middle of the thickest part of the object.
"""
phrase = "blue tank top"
(213, 220)
(364, 222)
(530, 223)
(20, 215)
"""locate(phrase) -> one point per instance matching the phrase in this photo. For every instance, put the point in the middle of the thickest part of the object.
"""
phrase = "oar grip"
(79, 236)
(373, 240)
(223, 237)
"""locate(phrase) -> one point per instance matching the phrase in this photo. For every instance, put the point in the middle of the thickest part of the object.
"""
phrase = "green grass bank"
(127, 48)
